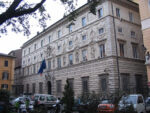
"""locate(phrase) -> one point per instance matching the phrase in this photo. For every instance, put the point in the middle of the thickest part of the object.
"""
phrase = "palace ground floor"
(100, 76)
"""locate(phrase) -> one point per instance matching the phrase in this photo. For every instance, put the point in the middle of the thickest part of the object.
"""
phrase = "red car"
(106, 106)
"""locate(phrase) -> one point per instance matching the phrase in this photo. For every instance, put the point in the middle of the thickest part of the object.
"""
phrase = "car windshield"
(51, 98)
(128, 100)
(106, 102)
(36, 97)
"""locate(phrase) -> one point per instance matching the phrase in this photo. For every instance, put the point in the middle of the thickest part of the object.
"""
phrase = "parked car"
(44, 100)
(106, 106)
(136, 100)
(147, 104)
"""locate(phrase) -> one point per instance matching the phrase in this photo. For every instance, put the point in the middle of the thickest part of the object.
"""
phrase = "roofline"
(4, 55)
(58, 22)
(52, 26)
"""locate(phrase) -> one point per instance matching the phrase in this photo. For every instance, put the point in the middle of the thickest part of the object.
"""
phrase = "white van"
(136, 100)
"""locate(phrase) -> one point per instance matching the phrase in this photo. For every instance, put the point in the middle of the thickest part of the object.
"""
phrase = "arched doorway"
(49, 87)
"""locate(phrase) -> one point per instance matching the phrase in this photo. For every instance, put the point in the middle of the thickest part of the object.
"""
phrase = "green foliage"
(89, 103)
(92, 6)
(4, 95)
(68, 98)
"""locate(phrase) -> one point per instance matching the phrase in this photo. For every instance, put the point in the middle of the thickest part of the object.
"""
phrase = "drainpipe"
(117, 58)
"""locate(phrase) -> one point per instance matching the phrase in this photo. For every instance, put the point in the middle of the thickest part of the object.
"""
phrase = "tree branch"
(16, 13)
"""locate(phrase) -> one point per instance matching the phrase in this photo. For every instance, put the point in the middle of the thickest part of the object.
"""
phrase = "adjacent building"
(7, 63)
(17, 88)
(101, 53)
(144, 6)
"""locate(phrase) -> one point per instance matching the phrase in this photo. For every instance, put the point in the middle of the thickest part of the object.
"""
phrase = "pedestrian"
(58, 105)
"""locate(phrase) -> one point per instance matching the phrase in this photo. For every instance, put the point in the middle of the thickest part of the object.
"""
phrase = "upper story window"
(83, 21)
(29, 50)
(58, 48)
(49, 65)
(6, 63)
(132, 34)
(70, 43)
(118, 12)
(59, 34)
(84, 37)
(70, 28)
(24, 52)
(49, 39)
(120, 29)
(41, 43)
(130, 17)
(84, 55)
(100, 12)
(102, 50)
(70, 59)
(35, 46)
(135, 50)
(121, 46)
(5, 76)
(59, 62)
(101, 31)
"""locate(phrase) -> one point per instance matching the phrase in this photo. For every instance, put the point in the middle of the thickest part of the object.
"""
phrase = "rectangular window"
(84, 37)
(132, 34)
(58, 86)
(139, 83)
(34, 46)
(120, 29)
(118, 12)
(101, 31)
(41, 87)
(102, 50)
(71, 81)
(6, 63)
(130, 17)
(70, 28)
(85, 84)
(70, 59)
(49, 65)
(59, 62)
(49, 39)
(125, 82)
(58, 48)
(84, 55)
(103, 82)
(29, 50)
(100, 12)
(34, 68)
(83, 21)
(135, 51)
(121, 45)
(4, 86)
(59, 34)
(33, 88)
(5, 76)
(24, 52)
(41, 43)
(27, 90)
(70, 43)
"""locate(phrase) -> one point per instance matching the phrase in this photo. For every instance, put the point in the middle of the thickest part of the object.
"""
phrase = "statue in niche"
(92, 35)
(92, 52)
(77, 56)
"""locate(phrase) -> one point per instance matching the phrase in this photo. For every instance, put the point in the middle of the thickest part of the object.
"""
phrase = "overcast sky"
(13, 41)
